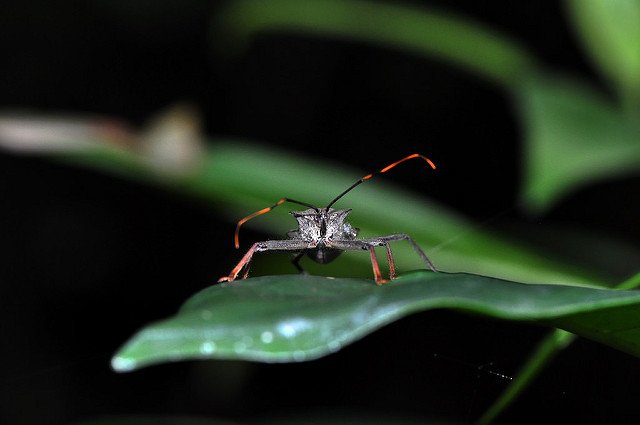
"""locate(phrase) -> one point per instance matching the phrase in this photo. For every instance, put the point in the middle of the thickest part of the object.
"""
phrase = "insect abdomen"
(323, 255)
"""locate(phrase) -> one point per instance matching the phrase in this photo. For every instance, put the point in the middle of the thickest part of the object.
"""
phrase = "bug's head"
(325, 223)
(317, 223)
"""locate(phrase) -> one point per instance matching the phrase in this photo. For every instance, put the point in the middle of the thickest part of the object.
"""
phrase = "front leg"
(347, 245)
(384, 240)
(369, 244)
(284, 245)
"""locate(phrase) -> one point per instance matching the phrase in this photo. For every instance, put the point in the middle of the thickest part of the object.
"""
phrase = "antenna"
(266, 210)
(384, 170)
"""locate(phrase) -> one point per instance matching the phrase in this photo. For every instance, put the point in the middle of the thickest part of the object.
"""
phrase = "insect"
(323, 234)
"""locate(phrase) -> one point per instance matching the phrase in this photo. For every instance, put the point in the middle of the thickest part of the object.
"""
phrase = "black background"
(86, 259)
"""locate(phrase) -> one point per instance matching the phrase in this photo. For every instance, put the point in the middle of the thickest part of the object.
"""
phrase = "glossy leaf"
(610, 31)
(416, 30)
(573, 137)
(297, 317)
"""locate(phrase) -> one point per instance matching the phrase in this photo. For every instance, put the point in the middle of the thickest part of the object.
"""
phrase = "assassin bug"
(323, 234)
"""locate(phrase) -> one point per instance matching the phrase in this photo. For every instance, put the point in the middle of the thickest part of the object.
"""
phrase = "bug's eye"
(349, 231)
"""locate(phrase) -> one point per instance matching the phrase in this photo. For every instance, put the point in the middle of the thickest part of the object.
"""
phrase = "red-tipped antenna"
(263, 211)
(384, 170)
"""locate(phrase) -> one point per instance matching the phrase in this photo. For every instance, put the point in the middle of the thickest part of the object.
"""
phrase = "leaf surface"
(297, 317)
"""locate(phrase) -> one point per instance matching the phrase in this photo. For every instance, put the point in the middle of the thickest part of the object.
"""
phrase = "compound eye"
(349, 231)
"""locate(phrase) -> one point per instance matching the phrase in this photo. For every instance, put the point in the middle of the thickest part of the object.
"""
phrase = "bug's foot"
(381, 281)
(226, 279)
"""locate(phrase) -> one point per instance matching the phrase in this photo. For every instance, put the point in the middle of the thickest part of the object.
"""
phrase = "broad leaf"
(297, 318)
(573, 137)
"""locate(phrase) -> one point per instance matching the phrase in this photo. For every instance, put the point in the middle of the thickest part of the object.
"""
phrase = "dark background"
(87, 258)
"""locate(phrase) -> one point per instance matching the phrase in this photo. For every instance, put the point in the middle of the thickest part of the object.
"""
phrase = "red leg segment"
(392, 265)
(241, 264)
(376, 268)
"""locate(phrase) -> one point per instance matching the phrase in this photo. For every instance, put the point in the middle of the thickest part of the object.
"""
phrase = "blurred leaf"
(573, 137)
(241, 178)
(250, 177)
(297, 318)
(610, 30)
(412, 29)
(30, 133)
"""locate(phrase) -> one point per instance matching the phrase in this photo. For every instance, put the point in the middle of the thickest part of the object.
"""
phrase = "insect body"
(324, 233)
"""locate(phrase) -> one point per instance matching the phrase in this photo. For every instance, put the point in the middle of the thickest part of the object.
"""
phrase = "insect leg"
(353, 245)
(296, 261)
(384, 240)
(241, 264)
(284, 245)
(392, 264)
(376, 267)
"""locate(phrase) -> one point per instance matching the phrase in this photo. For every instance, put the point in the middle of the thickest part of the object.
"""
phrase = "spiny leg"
(285, 245)
(246, 271)
(384, 240)
(358, 244)
(392, 264)
(246, 259)
(368, 244)
(376, 268)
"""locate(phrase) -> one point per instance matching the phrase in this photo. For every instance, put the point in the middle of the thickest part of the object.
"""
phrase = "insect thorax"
(322, 225)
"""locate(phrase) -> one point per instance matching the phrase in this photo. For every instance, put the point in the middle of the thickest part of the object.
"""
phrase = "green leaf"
(297, 317)
(539, 358)
(610, 31)
(573, 137)
(415, 30)
(239, 178)
(250, 177)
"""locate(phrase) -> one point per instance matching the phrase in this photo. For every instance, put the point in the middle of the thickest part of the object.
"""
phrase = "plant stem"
(544, 352)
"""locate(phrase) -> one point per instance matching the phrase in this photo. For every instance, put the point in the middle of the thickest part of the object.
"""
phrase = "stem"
(544, 352)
